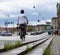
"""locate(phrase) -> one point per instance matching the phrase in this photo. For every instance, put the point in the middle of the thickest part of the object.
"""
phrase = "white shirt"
(21, 19)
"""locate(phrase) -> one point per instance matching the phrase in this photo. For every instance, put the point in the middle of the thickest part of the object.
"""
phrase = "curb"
(25, 52)
(2, 50)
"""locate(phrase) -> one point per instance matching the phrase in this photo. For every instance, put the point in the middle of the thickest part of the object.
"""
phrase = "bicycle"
(22, 32)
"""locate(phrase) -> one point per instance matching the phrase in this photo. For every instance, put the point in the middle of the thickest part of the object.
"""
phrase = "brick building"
(11, 29)
(38, 27)
(58, 14)
(54, 23)
(56, 20)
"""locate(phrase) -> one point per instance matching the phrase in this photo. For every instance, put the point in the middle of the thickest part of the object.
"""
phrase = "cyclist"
(22, 23)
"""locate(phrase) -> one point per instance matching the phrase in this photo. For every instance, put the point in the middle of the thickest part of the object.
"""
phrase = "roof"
(54, 18)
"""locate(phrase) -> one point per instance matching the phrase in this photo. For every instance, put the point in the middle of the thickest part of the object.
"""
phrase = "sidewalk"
(55, 46)
(40, 49)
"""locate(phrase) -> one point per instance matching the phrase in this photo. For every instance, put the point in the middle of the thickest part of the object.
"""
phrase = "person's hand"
(17, 28)
(27, 22)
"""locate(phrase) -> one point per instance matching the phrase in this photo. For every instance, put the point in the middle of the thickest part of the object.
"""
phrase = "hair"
(22, 11)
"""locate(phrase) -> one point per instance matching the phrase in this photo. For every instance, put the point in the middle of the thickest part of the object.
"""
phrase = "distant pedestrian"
(49, 32)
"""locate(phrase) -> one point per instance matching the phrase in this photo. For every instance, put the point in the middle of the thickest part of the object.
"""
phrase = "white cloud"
(15, 5)
(10, 25)
(34, 13)
(2, 16)
(13, 15)
(36, 23)
(10, 5)
(48, 20)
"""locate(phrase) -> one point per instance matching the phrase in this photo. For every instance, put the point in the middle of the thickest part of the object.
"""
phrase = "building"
(56, 20)
(39, 27)
(48, 26)
(36, 27)
(10, 28)
(54, 23)
(58, 14)
(30, 27)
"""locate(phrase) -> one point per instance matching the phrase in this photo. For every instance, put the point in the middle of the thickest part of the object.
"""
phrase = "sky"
(44, 10)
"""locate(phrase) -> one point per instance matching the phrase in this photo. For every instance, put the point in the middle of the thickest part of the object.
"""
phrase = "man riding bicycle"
(22, 23)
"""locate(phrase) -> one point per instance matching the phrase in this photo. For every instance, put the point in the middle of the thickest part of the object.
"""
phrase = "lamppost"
(38, 24)
(34, 4)
(13, 25)
(6, 24)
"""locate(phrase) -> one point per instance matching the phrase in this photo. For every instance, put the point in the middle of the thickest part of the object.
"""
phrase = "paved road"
(39, 50)
(55, 46)
(14, 38)
(21, 49)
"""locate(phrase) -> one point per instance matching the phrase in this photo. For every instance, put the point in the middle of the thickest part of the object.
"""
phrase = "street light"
(38, 20)
(13, 26)
(34, 6)
(6, 24)
(38, 25)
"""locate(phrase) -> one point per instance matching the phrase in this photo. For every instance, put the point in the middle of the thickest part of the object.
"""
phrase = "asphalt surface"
(4, 39)
(29, 38)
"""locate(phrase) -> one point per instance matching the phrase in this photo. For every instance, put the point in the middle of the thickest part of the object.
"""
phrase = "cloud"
(34, 13)
(48, 20)
(36, 23)
(13, 6)
(46, 8)
(2, 16)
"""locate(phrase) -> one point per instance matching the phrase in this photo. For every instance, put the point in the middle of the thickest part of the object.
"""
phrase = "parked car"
(36, 33)
(6, 33)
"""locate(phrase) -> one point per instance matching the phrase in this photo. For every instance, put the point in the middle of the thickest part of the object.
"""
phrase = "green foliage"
(30, 29)
(28, 48)
(18, 43)
(10, 45)
(47, 51)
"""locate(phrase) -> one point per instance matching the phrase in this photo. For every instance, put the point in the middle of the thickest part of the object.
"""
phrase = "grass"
(47, 50)
(10, 45)
(28, 48)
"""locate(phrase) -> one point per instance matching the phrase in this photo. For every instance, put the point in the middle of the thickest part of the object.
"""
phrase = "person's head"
(22, 11)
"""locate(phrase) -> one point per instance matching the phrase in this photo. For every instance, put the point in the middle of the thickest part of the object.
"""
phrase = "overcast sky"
(46, 8)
